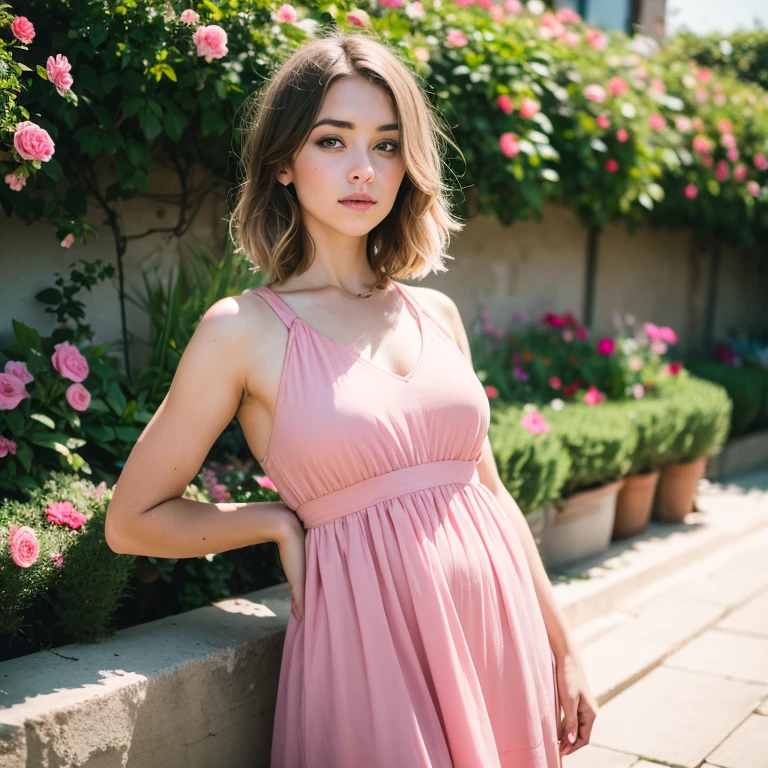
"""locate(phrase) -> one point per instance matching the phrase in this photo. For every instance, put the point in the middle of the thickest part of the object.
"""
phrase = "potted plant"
(702, 410)
(531, 462)
(600, 441)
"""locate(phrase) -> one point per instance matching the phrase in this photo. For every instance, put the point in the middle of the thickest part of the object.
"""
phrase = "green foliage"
(87, 589)
(533, 468)
(747, 387)
(599, 440)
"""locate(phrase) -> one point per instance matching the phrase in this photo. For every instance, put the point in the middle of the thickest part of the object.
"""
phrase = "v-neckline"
(412, 307)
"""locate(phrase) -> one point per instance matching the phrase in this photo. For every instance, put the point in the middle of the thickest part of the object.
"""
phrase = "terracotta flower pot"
(634, 504)
(581, 527)
(676, 492)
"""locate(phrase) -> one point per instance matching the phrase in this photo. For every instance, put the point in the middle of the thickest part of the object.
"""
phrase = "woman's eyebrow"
(351, 126)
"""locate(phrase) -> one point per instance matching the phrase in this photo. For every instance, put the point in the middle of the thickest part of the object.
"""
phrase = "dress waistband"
(376, 489)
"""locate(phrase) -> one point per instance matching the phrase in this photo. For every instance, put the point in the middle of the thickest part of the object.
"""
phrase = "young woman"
(423, 631)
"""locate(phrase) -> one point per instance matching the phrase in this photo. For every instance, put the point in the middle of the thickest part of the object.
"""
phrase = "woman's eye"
(322, 143)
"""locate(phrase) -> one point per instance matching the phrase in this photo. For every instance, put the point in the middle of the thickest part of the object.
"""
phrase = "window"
(613, 14)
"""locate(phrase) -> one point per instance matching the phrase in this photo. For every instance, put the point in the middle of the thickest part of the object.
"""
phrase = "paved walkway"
(682, 676)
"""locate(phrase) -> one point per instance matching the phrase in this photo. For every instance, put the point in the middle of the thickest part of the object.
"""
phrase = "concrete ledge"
(740, 455)
(196, 689)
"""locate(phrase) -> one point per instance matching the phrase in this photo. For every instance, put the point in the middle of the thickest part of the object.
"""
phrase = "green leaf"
(49, 296)
(101, 432)
(24, 455)
(133, 106)
(115, 398)
(43, 419)
(128, 434)
(26, 336)
(41, 71)
(150, 125)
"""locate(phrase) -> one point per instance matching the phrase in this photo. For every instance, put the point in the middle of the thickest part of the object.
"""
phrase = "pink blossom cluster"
(218, 491)
(64, 513)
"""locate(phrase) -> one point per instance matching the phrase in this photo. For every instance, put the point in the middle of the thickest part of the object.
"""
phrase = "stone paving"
(681, 677)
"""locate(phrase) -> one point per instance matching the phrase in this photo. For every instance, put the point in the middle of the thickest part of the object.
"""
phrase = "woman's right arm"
(147, 514)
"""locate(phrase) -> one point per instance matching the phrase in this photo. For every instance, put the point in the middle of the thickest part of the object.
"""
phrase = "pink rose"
(761, 162)
(513, 6)
(753, 188)
(456, 38)
(189, 17)
(596, 39)
(529, 108)
(535, 423)
(265, 482)
(701, 145)
(69, 362)
(58, 559)
(491, 391)
(78, 397)
(19, 370)
(505, 103)
(33, 142)
(606, 346)
(704, 75)
(581, 333)
(359, 18)
(622, 135)
(568, 16)
(724, 126)
(707, 161)
(690, 191)
(6, 446)
(287, 13)
(728, 140)
(508, 144)
(12, 392)
(15, 182)
(211, 42)
(656, 121)
(595, 93)
(571, 39)
(22, 29)
(740, 172)
(24, 545)
(617, 86)
(611, 165)
(68, 241)
(593, 396)
(722, 171)
(58, 72)
(659, 347)
(603, 121)
(683, 124)
(555, 382)
(63, 513)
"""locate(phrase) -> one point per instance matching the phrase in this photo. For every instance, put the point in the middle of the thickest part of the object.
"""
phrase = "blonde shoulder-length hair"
(266, 223)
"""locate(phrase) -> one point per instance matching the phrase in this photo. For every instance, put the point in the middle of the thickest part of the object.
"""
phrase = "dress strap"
(280, 308)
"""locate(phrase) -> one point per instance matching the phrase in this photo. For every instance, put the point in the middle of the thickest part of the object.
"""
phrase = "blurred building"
(644, 16)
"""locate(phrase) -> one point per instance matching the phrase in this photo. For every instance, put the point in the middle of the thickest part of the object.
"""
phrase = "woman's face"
(339, 160)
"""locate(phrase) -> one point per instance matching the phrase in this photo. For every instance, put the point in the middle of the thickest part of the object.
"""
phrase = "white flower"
(536, 7)
(557, 404)
(530, 408)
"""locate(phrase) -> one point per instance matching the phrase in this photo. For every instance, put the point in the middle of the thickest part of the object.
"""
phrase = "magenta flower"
(78, 397)
(7, 446)
(732, 154)
(529, 108)
(761, 162)
(535, 423)
(12, 392)
(555, 382)
(593, 396)
(211, 42)
(265, 482)
(509, 145)
(70, 362)
(595, 92)
(581, 333)
(622, 135)
(23, 29)
(740, 172)
(611, 165)
(721, 171)
(456, 38)
(24, 545)
(603, 121)
(63, 513)
(505, 103)
(58, 72)
(33, 142)
(491, 391)
(606, 346)
(675, 368)
(19, 370)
